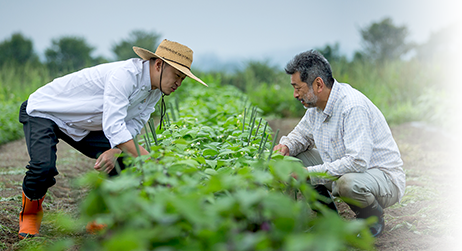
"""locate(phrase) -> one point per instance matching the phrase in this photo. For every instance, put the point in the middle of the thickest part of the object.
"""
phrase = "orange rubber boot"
(93, 227)
(30, 217)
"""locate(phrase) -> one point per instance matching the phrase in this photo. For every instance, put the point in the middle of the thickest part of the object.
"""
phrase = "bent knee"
(344, 185)
(348, 186)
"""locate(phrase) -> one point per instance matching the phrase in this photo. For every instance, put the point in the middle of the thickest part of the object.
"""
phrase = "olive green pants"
(363, 188)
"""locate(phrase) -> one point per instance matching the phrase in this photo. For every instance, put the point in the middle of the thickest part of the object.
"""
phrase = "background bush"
(17, 82)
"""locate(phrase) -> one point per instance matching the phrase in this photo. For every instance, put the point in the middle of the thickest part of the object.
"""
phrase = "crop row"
(211, 182)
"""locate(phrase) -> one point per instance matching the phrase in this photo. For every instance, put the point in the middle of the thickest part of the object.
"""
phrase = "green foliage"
(16, 84)
(208, 185)
(403, 90)
(418, 193)
(147, 40)
(385, 41)
(68, 53)
(396, 88)
(10, 128)
(267, 87)
(276, 99)
(252, 75)
(17, 50)
(332, 53)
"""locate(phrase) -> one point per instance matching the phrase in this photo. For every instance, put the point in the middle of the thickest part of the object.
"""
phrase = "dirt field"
(428, 217)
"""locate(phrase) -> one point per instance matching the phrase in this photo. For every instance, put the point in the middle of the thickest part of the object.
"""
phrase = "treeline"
(70, 53)
(382, 42)
(398, 75)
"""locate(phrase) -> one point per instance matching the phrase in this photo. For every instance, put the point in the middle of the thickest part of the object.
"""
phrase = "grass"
(403, 90)
(16, 84)
(396, 88)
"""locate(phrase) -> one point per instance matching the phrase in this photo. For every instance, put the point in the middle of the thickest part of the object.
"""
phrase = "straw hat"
(175, 54)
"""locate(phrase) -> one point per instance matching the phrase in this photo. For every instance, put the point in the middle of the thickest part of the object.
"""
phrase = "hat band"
(176, 62)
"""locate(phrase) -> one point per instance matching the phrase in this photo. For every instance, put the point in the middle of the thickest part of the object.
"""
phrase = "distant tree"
(358, 56)
(442, 45)
(147, 40)
(385, 41)
(68, 53)
(17, 50)
(99, 60)
(262, 71)
(254, 73)
(332, 53)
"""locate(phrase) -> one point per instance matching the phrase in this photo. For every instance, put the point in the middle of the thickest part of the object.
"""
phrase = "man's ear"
(318, 85)
(158, 64)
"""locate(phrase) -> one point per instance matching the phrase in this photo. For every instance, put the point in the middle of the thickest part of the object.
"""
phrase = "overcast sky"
(229, 30)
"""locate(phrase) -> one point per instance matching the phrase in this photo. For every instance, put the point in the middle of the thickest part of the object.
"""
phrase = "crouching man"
(98, 111)
(346, 136)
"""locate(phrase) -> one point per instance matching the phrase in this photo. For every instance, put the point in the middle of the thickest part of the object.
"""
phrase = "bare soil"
(428, 217)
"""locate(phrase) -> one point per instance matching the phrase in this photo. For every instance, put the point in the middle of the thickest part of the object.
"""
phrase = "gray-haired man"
(344, 135)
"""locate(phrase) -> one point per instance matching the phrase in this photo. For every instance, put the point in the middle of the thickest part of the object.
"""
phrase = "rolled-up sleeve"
(300, 138)
(136, 124)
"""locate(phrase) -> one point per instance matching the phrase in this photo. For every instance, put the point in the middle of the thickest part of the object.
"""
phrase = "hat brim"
(146, 55)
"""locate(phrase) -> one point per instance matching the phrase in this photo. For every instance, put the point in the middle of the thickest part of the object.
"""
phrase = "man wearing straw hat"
(98, 111)
(353, 141)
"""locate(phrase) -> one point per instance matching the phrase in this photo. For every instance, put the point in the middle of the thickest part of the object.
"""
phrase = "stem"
(272, 145)
(243, 123)
(168, 119)
(264, 130)
(137, 148)
(153, 130)
(258, 127)
(251, 129)
(148, 143)
(263, 146)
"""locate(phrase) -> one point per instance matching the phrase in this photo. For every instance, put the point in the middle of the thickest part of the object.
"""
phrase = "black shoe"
(322, 190)
(372, 210)
(378, 227)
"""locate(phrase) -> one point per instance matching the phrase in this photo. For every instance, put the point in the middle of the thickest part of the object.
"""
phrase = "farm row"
(210, 183)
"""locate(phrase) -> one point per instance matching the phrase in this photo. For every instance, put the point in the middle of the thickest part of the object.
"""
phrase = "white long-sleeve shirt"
(114, 97)
(351, 135)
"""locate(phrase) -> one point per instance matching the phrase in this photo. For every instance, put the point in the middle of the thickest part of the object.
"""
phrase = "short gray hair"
(311, 64)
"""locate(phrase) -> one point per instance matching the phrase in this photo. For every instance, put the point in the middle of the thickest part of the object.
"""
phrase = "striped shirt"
(351, 135)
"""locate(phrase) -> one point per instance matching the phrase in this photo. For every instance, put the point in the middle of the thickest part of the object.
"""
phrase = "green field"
(211, 182)
(403, 90)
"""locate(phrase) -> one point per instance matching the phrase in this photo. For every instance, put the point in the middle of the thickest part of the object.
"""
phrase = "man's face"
(303, 92)
(171, 79)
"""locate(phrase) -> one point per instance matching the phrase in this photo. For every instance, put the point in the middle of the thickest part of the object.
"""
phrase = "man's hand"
(106, 161)
(283, 149)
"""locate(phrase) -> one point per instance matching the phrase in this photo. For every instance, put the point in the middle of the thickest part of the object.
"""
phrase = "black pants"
(42, 136)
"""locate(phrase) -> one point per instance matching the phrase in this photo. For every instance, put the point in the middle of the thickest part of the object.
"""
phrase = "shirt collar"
(146, 79)
(333, 96)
